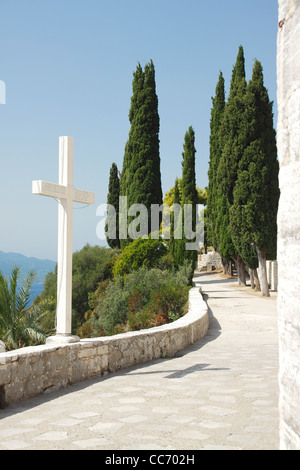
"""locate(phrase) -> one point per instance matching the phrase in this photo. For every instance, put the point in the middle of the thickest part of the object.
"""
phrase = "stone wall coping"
(32, 370)
(197, 308)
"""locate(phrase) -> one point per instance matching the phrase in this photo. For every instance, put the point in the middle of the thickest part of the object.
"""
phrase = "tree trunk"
(241, 269)
(262, 262)
(225, 266)
(251, 272)
(256, 280)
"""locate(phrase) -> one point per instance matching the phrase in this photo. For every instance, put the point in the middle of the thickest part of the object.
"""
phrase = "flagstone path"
(220, 393)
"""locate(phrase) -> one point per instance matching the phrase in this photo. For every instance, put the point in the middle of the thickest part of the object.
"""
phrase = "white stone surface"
(288, 138)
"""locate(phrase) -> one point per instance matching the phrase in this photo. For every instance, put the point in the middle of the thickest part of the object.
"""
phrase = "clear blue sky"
(68, 65)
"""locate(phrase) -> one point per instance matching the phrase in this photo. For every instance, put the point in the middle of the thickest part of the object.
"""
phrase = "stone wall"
(209, 261)
(33, 370)
(288, 138)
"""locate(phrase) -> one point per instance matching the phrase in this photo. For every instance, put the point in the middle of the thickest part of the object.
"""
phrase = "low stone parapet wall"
(30, 371)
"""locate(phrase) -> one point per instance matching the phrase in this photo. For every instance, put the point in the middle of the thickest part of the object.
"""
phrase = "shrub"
(91, 266)
(112, 307)
(140, 320)
(143, 299)
(169, 300)
(139, 253)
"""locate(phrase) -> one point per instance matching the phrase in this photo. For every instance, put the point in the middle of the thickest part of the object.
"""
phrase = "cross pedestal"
(66, 194)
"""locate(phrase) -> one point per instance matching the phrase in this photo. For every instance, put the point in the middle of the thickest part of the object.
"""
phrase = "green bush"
(169, 300)
(142, 299)
(91, 266)
(141, 252)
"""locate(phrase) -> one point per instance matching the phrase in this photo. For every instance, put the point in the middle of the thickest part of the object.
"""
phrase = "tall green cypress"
(233, 143)
(173, 221)
(188, 182)
(141, 177)
(231, 138)
(256, 193)
(112, 219)
(189, 192)
(137, 86)
(215, 151)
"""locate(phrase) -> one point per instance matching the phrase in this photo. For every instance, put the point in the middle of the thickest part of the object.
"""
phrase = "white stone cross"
(66, 194)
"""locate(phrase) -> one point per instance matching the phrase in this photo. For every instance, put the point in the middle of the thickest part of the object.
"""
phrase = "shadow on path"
(198, 277)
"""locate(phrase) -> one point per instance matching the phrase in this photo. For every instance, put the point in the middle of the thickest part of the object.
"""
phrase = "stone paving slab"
(219, 394)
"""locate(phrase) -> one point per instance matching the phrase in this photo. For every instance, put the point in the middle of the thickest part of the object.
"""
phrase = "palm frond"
(18, 325)
(23, 293)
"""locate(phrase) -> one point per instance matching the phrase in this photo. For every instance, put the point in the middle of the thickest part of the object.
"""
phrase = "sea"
(36, 290)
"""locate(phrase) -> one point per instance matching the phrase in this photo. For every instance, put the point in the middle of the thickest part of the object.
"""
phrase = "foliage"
(253, 213)
(142, 299)
(169, 300)
(256, 192)
(169, 198)
(232, 132)
(189, 196)
(141, 252)
(188, 182)
(113, 200)
(232, 142)
(91, 265)
(227, 144)
(243, 188)
(19, 325)
(141, 178)
(46, 310)
(165, 305)
(213, 193)
(174, 229)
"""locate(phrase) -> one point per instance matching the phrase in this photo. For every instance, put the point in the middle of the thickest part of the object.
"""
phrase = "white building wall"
(288, 77)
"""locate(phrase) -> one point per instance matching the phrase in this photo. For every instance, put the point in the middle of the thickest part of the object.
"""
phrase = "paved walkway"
(221, 393)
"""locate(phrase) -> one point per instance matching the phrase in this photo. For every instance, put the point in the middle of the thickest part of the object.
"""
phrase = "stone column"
(274, 278)
(269, 272)
(288, 77)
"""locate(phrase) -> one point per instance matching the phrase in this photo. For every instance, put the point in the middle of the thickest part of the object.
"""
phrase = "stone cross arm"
(58, 191)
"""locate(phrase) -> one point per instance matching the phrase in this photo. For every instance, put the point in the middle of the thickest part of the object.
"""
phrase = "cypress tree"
(141, 177)
(231, 138)
(188, 182)
(217, 112)
(233, 144)
(137, 86)
(226, 248)
(256, 193)
(189, 192)
(174, 220)
(113, 200)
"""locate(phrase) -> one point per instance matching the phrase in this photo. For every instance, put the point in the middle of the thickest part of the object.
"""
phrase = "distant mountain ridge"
(42, 267)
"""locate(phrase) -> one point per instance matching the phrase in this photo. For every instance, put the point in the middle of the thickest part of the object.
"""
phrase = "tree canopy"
(243, 188)
(141, 177)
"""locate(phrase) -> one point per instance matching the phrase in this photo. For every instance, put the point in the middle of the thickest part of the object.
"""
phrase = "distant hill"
(9, 260)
